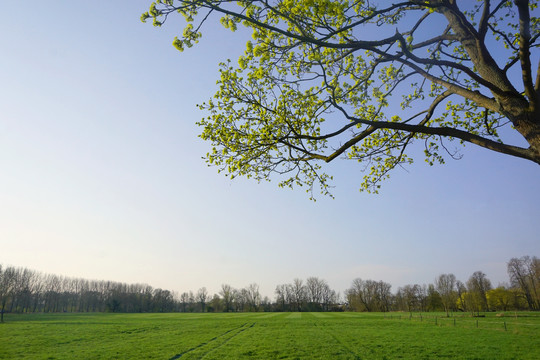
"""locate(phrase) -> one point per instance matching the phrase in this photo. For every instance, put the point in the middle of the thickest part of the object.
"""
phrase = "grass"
(269, 336)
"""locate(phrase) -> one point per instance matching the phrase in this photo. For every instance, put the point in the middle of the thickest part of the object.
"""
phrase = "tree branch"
(482, 29)
(442, 131)
(524, 52)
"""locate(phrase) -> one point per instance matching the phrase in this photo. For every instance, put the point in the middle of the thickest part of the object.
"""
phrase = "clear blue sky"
(102, 178)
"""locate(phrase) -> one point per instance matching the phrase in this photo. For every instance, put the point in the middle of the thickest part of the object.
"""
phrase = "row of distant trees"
(27, 291)
(451, 295)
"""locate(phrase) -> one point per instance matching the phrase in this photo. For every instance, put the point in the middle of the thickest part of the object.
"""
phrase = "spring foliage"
(364, 80)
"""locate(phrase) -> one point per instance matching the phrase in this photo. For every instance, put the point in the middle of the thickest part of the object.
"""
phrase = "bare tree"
(298, 293)
(7, 286)
(446, 287)
(329, 297)
(253, 297)
(384, 295)
(227, 293)
(184, 300)
(241, 299)
(314, 291)
(358, 297)
(202, 296)
(281, 297)
(369, 295)
(409, 294)
(524, 274)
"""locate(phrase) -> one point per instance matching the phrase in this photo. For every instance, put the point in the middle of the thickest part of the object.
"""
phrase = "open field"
(269, 336)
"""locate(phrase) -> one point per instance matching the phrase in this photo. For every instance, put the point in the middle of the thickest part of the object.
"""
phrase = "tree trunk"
(529, 126)
(523, 112)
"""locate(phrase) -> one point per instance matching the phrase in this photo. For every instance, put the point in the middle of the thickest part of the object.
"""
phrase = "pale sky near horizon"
(102, 177)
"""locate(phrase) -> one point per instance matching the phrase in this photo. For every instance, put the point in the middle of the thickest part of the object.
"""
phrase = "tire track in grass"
(339, 341)
(210, 342)
(227, 340)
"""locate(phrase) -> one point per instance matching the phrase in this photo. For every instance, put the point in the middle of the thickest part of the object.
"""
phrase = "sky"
(102, 176)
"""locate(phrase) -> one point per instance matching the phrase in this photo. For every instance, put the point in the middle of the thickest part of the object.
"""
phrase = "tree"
(410, 297)
(329, 297)
(298, 292)
(434, 300)
(266, 304)
(365, 80)
(253, 297)
(499, 298)
(446, 287)
(413, 297)
(163, 301)
(241, 300)
(216, 304)
(227, 294)
(369, 295)
(315, 289)
(281, 293)
(466, 302)
(184, 300)
(7, 286)
(525, 274)
(477, 286)
(202, 297)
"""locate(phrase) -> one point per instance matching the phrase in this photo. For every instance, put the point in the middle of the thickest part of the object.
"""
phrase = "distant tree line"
(451, 295)
(27, 291)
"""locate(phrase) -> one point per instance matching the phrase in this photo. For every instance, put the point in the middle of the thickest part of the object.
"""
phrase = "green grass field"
(269, 336)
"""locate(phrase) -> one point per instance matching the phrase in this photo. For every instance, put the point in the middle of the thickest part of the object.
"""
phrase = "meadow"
(270, 336)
